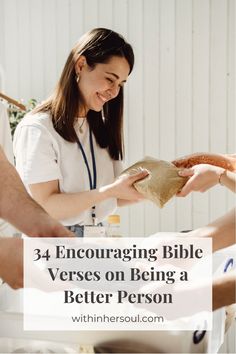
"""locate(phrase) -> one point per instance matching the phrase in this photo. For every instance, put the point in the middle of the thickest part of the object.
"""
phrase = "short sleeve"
(36, 154)
(118, 167)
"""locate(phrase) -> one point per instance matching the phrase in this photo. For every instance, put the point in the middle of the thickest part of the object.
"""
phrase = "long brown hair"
(98, 46)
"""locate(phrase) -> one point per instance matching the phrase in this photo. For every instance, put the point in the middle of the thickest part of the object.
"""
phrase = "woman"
(69, 149)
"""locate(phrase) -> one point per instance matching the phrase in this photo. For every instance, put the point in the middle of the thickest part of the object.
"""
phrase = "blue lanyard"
(92, 182)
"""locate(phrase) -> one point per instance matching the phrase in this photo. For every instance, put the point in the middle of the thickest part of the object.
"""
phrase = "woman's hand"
(201, 178)
(123, 187)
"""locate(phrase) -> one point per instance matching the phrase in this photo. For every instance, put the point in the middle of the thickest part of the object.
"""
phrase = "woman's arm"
(66, 205)
(123, 202)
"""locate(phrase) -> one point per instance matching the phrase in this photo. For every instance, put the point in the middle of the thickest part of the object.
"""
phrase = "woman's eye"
(109, 80)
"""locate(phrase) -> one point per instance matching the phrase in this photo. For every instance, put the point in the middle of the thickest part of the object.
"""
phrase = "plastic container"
(113, 227)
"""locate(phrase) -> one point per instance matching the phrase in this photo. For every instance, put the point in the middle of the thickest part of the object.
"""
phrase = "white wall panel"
(90, 14)
(231, 77)
(218, 92)
(105, 13)
(200, 98)
(2, 42)
(120, 24)
(231, 88)
(76, 20)
(24, 59)
(120, 17)
(62, 33)
(136, 108)
(37, 49)
(167, 99)
(151, 74)
(231, 92)
(11, 48)
(50, 53)
(183, 97)
(179, 99)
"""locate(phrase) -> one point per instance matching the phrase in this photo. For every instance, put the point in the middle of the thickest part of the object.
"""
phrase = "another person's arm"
(203, 177)
(19, 209)
(228, 179)
(223, 234)
(11, 261)
(224, 290)
(225, 161)
(222, 231)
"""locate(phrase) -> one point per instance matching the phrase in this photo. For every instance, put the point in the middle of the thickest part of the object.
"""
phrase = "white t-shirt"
(43, 155)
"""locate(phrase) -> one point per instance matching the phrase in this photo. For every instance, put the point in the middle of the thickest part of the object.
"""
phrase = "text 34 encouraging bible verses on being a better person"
(117, 277)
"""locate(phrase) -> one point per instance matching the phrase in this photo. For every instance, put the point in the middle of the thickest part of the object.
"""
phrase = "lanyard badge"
(92, 181)
(94, 231)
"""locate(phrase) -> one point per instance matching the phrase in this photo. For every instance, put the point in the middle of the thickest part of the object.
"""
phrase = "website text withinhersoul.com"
(117, 319)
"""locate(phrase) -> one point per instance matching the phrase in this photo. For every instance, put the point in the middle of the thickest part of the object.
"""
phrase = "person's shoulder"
(37, 119)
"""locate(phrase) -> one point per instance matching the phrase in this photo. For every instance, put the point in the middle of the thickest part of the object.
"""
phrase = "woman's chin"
(97, 109)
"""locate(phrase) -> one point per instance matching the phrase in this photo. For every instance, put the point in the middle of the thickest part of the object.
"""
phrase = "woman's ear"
(81, 62)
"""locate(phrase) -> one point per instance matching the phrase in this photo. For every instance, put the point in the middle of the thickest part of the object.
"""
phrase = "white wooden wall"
(179, 99)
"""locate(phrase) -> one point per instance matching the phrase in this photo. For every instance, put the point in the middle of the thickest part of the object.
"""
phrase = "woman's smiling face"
(102, 83)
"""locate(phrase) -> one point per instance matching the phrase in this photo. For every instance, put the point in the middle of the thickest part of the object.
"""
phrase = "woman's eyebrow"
(115, 75)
